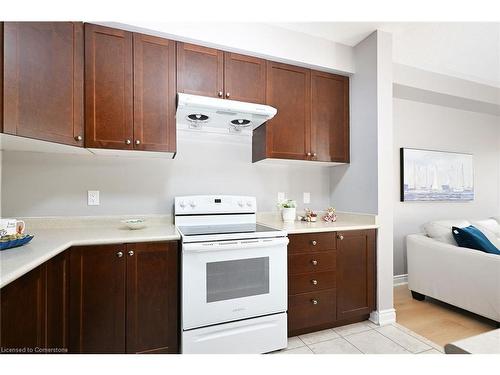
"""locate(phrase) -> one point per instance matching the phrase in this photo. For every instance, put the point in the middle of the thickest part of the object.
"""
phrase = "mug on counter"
(11, 226)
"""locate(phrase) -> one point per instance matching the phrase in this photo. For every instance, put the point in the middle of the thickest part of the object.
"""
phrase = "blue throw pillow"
(473, 238)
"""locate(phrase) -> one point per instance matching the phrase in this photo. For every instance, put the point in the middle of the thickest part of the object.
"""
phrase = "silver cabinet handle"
(314, 243)
(340, 237)
(130, 253)
(314, 301)
(314, 262)
(128, 141)
(314, 282)
(308, 154)
(78, 138)
(137, 142)
(119, 254)
(227, 95)
(220, 93)
(314, 154)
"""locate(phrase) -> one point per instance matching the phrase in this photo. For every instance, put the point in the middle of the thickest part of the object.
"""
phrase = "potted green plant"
(288, 210)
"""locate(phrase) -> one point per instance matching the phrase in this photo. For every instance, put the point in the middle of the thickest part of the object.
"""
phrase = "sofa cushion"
(441, 230)
(490, 228)
(473, 238)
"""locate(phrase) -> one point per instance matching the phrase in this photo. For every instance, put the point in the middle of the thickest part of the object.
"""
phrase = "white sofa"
(467, 278)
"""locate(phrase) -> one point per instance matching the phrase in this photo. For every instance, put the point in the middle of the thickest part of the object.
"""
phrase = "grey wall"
(354, 186)
(36, 184)
(428, 126)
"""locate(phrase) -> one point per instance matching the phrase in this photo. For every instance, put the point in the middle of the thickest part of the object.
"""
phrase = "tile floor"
(362, 338)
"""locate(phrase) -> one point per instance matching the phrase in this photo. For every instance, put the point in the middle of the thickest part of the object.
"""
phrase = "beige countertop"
(54, 235)
(345, 221)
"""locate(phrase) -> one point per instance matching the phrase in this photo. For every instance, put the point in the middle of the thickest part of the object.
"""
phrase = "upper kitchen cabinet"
(244, 78)
(130, 88)
(200, 70)
(288, 134)
(108, 88)
(154, 93)
(43, 81)
(312, 122)
(329, 117)
(210, 72)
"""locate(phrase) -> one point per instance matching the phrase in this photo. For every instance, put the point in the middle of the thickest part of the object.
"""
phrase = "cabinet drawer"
(302, 263)
(310, 282)
(311, 309)
(300, 243)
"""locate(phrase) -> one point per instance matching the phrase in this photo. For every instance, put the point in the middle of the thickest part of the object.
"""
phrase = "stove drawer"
(300, 243)
(311, 309)
(302, 263)
(310, 282)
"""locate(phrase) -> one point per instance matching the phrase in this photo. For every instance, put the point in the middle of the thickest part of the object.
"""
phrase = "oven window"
(237, 278)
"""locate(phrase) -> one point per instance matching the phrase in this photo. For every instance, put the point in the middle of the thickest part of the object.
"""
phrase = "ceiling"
(468, 50)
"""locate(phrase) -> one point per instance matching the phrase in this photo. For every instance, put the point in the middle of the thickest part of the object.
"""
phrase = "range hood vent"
(201, 113)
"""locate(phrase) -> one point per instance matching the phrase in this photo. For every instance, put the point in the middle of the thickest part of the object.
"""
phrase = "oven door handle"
(202, 247)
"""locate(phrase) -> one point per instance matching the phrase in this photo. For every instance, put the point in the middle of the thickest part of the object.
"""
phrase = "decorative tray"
(6, 243)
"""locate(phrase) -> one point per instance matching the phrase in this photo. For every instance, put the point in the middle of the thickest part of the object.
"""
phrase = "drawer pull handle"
(314, 301)
(314, 243)
(314, 282)
(340, 237)
(314, 262)
(119, 254)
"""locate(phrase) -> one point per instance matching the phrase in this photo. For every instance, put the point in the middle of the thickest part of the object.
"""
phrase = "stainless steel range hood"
(201, 113)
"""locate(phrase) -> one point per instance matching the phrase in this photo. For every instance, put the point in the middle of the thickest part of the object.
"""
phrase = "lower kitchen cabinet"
(34, 309)
(123, 298)
(331, 279)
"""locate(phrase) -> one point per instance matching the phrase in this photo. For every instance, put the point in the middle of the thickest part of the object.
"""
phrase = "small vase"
(288, 214)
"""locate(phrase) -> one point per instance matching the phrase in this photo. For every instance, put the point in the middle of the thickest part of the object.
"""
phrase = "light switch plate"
(93, 198)
(307, 198)
(281, 196)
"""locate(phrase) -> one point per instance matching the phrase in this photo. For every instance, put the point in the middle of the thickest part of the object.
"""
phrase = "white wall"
(354, 186)
(365, 185)
(36, 184)
(421, 125)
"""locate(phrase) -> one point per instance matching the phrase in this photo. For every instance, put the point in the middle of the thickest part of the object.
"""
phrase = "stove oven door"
(224, 281)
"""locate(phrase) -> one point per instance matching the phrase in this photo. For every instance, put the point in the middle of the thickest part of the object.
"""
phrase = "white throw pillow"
(490, 228)
(441, 230)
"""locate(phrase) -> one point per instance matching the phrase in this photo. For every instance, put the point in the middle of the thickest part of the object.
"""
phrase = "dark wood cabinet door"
(244, 78)
(57, 311)
(43, 80)
(152, 298)
(288, 90)
(154, 93)
(355, 273)
(22, 313)
(97, 299)
(200, 70)
(329, 117)
(108, 88)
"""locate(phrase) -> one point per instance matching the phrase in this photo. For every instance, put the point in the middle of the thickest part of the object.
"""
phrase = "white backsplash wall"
(36, 184)
(420, 125)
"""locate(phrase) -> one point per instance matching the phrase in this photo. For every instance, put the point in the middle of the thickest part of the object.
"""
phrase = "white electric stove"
(234, 277)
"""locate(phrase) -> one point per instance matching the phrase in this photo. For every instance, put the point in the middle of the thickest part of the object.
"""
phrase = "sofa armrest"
(462, 277)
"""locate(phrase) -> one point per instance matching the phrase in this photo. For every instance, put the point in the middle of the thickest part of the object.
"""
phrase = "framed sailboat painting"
(428, 175)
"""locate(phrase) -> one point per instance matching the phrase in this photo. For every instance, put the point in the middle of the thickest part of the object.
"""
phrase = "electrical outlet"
(281, 196)
(307, 198)
(93, 198)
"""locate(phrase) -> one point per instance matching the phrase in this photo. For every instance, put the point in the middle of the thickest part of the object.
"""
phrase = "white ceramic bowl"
(135, 223)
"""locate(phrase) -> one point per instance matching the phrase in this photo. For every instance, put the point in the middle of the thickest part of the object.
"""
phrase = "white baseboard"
(383, 317)
(400, 279)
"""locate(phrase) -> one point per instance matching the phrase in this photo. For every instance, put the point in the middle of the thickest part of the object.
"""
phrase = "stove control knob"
(249, 203)
(240, 203)
(192, 204)
(182, 204)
